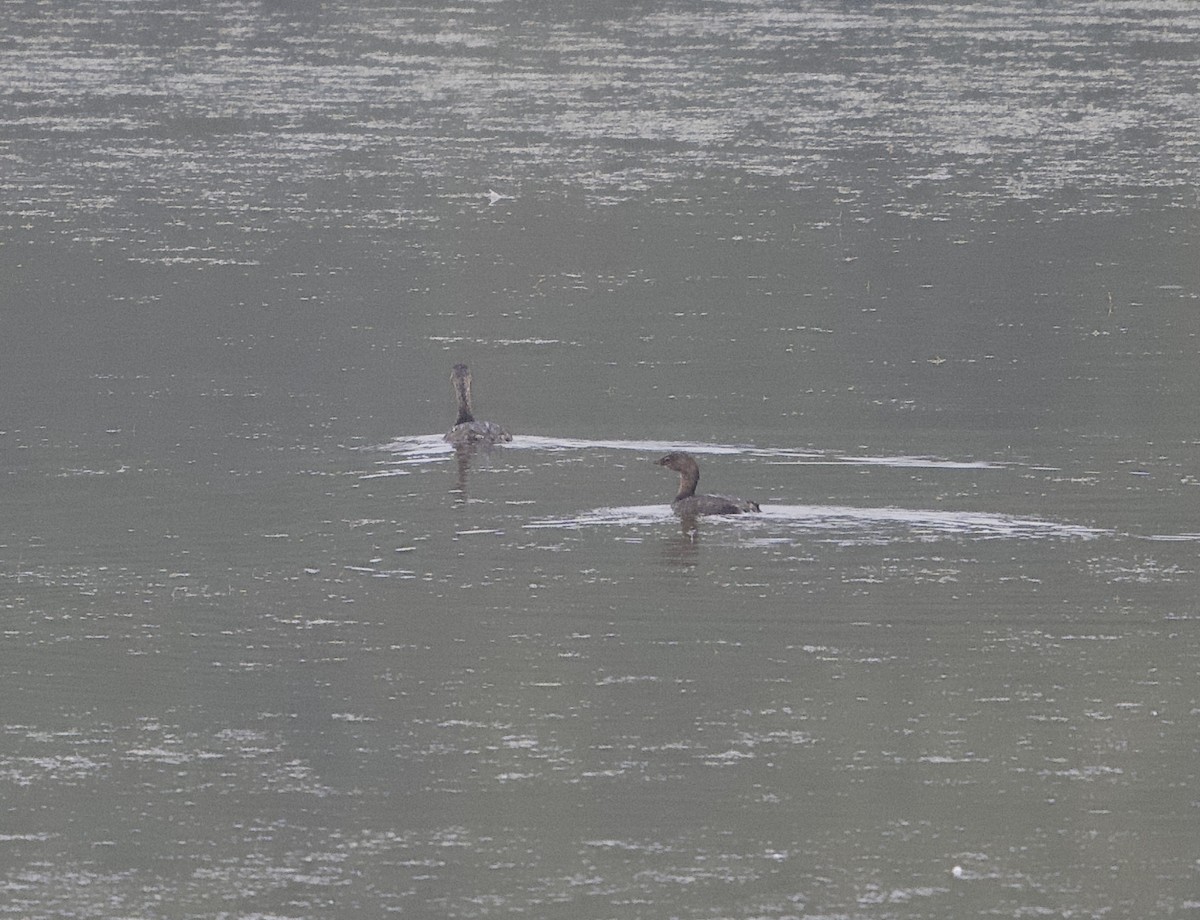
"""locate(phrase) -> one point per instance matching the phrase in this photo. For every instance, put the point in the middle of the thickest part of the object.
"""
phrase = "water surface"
(922, 280)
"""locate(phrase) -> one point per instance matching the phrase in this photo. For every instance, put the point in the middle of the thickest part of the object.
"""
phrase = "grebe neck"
(688, 480)
(461, 378)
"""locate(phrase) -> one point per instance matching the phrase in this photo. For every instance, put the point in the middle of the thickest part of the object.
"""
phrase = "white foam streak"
(433, 447)
(627, 516)
(923, 523)
(844, 523)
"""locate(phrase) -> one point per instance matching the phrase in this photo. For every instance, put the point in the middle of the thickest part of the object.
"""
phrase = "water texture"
(920, 279)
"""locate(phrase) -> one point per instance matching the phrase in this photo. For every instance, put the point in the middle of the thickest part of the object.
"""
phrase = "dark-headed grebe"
(467, 430)
(687, 502)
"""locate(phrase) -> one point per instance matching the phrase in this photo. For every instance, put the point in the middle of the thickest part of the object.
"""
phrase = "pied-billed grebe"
(687, 502)
(466, 429)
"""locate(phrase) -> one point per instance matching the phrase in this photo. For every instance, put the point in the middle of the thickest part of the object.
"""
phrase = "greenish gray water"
(921, 281)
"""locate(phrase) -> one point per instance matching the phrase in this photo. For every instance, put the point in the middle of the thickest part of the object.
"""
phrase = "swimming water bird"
(687, 502)
(467, 430)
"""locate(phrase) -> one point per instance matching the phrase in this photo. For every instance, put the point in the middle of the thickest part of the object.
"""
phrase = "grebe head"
(678, 461)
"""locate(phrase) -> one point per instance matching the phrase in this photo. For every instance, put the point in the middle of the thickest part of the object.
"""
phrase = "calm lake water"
(923, 280)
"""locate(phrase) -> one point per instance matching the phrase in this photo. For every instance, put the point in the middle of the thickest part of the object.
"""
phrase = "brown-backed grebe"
(467, 430)
(687, 502)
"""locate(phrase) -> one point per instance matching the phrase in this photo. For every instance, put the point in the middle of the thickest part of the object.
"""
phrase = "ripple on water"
(777, 523)
(432, 447)
(999, 104)
(844, 524)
